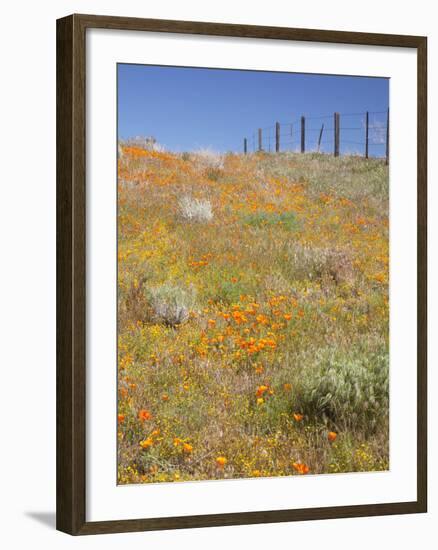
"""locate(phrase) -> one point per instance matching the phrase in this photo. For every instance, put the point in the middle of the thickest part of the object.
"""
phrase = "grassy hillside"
(253, 315)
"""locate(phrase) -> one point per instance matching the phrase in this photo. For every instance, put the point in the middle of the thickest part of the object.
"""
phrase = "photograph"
(218, 281)
(252, 274)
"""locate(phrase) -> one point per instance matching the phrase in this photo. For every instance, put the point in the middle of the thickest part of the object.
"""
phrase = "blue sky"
(190, 108)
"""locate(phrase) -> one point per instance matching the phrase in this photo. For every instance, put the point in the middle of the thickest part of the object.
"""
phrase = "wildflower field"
(252, 315)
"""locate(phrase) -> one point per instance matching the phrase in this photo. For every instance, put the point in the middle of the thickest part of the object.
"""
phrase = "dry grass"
(255, 341)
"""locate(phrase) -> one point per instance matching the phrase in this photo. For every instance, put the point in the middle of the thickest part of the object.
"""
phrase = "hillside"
(253, 315)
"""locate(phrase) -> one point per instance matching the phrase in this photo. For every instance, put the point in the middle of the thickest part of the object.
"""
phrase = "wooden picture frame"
(71, 273)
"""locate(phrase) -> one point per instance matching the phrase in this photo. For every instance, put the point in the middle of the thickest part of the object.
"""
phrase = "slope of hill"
(253, 315)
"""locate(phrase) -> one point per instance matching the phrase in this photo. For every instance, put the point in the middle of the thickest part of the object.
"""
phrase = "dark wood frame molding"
(71, 266)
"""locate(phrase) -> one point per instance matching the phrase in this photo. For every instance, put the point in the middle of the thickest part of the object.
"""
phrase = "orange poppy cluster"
(203, 262)
(242, 320)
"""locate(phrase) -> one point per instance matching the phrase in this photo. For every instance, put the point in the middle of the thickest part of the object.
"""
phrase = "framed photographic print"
(241, 274)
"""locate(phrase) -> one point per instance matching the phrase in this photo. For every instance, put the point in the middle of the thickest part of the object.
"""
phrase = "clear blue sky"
(186, 108)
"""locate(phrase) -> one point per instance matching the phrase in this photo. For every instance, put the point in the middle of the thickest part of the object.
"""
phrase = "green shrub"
(349, 392)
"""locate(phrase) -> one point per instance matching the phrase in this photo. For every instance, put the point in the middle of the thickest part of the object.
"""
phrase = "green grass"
(286, 220)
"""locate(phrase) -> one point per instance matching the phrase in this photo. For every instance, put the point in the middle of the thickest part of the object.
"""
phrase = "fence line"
(296, 134)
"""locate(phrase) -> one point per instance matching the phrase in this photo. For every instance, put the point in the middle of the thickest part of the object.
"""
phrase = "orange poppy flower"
(287, 386)
(146, 443)
(164, 397)
(298, 417)
(221, 461)
(261, 390)
(301, 468)
(187, 448)
(239, 317)
(331, 436)
(143, 415)
(262, 319)
(121, 418)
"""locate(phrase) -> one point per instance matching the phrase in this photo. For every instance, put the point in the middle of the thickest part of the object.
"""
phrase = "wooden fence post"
(387, 138)
(367, 125)
(303, 134)
(260, 140)
(336, 152)
(245, 146)
(277, 137)
(320, 136)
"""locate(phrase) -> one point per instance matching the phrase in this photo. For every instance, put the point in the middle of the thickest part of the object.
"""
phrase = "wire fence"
(365, 134)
